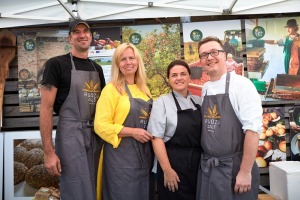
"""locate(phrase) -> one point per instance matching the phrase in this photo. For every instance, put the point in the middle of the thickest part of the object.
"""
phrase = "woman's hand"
(142, 135)
(138, 134)
(171, 179)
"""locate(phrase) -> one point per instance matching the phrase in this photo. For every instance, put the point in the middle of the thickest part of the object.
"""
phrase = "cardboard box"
(285, 179)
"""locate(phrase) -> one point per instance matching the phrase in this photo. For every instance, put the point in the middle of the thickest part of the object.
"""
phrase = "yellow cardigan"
(111, 111)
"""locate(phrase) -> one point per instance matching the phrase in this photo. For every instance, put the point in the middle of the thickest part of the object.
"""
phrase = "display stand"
(21, 190)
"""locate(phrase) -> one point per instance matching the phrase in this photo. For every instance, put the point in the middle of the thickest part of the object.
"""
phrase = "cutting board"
(7, 54)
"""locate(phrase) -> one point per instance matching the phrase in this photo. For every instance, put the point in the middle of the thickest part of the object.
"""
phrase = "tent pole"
(67, 9)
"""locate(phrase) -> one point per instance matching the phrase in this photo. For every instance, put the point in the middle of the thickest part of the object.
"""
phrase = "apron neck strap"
(128, 91)
(73, 65)
(177, 104)
(227, 82)
(72, 62)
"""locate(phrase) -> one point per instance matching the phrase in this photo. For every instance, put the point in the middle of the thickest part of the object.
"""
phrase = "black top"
(57, 73)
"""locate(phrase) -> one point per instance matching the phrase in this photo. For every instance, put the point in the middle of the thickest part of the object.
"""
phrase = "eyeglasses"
(212, 53)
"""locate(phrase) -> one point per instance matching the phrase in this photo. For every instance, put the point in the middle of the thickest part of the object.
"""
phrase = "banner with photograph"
(159, 45)
(104, 43)
(273, 54)
(272, 139)
(24, 167)
(230, 34)
(34, 49)
(295, 133)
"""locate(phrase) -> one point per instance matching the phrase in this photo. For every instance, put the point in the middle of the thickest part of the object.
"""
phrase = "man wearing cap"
(71, 86)
(291, 48)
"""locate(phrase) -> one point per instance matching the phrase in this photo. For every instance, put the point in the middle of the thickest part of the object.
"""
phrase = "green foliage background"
(158, 48)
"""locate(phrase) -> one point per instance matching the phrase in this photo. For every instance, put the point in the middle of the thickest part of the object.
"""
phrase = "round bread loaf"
(19, 153)
(19, 172)
(32, 143)
(33, 157)
(38, 177)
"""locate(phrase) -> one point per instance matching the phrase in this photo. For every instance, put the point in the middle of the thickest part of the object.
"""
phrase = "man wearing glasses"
(232, 116)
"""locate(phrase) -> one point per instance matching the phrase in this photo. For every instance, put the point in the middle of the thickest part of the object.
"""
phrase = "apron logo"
(144, 116)
(212, 113)
(91, 91)
(212, 119)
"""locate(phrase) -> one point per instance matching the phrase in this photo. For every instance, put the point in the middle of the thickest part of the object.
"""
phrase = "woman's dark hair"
(178, 62)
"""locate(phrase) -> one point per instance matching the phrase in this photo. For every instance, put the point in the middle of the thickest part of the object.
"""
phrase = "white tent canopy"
(14, 13)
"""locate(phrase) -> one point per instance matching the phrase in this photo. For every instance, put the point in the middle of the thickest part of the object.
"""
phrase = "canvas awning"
(15, 13)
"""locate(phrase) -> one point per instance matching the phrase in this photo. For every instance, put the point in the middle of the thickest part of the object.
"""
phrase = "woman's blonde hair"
(118, 79)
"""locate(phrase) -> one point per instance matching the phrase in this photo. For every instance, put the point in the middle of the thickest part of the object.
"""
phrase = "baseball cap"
(75, 22)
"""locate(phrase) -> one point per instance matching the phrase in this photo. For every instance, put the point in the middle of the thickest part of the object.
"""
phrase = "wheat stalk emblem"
(213, 113)
(91, 86)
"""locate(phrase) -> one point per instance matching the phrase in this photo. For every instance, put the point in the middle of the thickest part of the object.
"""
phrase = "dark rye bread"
(31, 144)
(19, 153)
(38, 177)
(19, 172)
(33, 157)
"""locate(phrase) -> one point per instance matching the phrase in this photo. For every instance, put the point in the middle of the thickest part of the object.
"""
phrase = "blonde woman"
(122, 114)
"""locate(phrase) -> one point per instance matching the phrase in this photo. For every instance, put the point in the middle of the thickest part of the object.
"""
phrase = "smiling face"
(80, 39)
(214, 65)
(128, 65)
(179, 79)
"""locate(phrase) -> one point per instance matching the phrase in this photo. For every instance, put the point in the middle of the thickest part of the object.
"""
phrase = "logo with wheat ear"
(212, 113)
(144, 114)
(91, 87)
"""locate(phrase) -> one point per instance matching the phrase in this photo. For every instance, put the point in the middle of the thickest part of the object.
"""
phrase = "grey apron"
(77, 146)
(222, 141)
(127, 169)
(184, 153)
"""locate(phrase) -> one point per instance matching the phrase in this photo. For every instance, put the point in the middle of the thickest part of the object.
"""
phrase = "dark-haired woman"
(175, 123)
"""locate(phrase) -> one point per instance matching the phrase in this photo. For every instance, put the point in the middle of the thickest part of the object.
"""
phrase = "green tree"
(126, 32)
(158, 48)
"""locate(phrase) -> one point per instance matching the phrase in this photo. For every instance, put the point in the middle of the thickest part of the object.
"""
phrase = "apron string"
(176, 102)
(226, 84)
(215, 161)
(178, 106)
(211, 162)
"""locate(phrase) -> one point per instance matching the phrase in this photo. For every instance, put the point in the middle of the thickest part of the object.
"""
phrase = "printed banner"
(273, 54)
(34, 49)
(295, 133)
(230, 34)
(159, 45)
(104, 43)
(272, 139)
